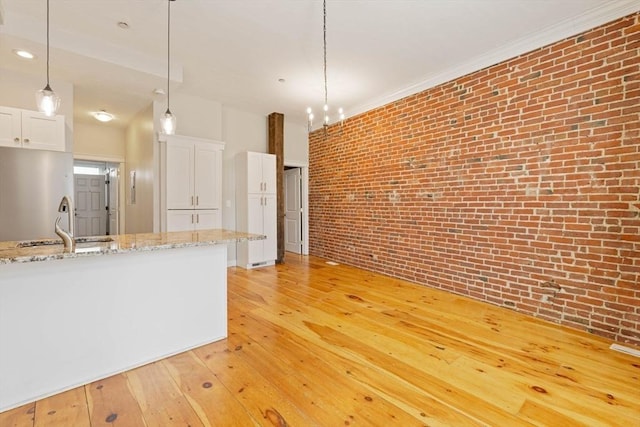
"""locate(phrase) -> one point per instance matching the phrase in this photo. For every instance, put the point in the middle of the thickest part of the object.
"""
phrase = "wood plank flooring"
(312, 344)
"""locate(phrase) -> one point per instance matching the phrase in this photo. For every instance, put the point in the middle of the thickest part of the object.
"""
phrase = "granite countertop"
(52, 249)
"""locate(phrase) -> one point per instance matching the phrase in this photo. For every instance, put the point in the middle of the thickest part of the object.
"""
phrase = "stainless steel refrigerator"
(32, 183)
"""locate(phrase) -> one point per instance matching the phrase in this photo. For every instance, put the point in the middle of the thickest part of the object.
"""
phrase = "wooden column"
(276, 146)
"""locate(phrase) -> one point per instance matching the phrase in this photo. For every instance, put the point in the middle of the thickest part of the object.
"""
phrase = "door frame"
(114, 160)
(296, 173)
(304, 201)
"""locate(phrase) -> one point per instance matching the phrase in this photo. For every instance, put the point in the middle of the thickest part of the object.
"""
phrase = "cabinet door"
(179, 175)
(10, 127)
(180, 220)
(208, 219)
(254, 172)
(269, 173)
(207, 185)
(269, 209)
(255, 226)
(42, 132)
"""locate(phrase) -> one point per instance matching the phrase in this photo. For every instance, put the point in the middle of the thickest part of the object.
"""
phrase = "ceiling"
(266, 55)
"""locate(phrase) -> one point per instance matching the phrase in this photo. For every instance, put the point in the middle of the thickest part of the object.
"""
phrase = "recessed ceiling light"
(24, 53)
(103, 116)
(159, 91)
(123, 25)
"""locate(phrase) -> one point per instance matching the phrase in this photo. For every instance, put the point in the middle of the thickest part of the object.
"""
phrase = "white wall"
(296, 143)
(195, 116)
(19, 90)
(139, 156)
(99, 142)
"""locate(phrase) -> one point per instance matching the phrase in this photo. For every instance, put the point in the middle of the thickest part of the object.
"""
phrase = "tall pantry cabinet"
(190, 184)
(256, 208)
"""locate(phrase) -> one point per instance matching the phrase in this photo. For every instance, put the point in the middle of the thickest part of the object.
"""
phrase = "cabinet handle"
(192, 216)
(26, 140)
(191, 200)
(197, 200)
(16, 139)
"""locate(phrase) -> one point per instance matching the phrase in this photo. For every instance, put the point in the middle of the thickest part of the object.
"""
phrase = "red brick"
(522, 183)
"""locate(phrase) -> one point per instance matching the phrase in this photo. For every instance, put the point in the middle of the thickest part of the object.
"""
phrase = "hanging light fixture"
(102, 116)
(168, 121)
(325, 109)
(47, 100)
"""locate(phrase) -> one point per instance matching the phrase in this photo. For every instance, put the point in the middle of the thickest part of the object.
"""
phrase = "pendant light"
(168, 121)
(325, 109)
(46, 99)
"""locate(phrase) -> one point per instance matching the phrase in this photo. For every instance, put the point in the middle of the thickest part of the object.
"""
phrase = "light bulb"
(326, 107)
(168, 123)
(48, 102)
(24, 54)
(309, 110)
(103, 116)
(326, 119)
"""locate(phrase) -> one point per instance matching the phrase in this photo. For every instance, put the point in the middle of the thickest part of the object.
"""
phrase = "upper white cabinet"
(191, 183)
(261, 171)
(193, 179)
(31, 129)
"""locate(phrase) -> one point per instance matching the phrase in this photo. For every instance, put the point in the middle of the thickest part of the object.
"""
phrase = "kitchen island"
(114, 303)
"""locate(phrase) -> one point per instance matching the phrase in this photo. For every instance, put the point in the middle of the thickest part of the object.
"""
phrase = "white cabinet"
(193, 175)
(191, 183)
(31, 129)
(261, 176)
(193, 219)
(256, 208)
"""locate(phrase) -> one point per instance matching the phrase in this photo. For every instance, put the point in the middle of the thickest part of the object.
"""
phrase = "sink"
(50, 242)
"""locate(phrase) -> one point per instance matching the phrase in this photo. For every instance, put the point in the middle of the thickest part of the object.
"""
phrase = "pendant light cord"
(47, 43)
(324, 33)
(168, 48)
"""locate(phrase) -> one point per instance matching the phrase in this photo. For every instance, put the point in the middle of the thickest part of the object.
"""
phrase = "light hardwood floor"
(312, 344)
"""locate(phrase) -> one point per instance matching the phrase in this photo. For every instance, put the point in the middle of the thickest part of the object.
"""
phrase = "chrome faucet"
(67, 237)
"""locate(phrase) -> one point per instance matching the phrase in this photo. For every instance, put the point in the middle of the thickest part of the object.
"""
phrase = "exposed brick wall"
(518, 184)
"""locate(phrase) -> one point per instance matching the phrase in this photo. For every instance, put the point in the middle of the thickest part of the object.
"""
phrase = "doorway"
(292, 210)
(295, 205)
(96, 198)
(90, 205)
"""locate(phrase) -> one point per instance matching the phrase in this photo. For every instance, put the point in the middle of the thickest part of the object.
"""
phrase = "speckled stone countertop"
(52, 249)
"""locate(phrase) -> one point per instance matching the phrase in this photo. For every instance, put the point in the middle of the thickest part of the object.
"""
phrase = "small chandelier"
(168, 121)
(325, 109)
(46, 99)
